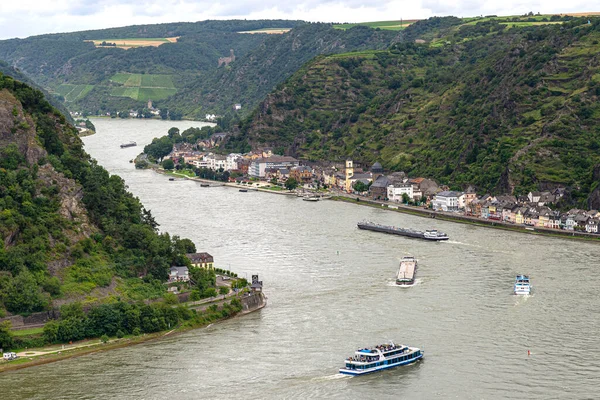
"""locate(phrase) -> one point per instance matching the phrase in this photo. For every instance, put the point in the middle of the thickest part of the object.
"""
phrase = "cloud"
(24, 18)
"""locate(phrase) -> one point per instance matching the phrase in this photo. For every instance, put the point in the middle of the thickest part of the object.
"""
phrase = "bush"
(210, 292)
(223, 290)
(136, 332)
(104, 338)
(120, 334)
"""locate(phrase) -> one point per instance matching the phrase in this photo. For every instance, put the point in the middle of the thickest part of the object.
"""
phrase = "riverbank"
(53, 353)
(465, 219)
(424, 212)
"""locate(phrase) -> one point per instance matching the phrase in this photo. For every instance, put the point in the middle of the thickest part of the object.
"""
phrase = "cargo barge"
(427, 235)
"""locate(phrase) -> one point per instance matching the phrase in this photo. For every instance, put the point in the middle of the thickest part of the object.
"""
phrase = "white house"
(395, 191)
(258, 167)
(592, 226)
(446, 201)
(179, 274)
(231, 161)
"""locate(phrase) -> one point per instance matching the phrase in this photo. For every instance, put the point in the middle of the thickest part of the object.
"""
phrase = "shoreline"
(468, 220)
(75, 352)
(426, 213)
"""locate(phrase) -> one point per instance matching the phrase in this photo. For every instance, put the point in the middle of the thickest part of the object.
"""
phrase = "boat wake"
(418, 281)
(522, 298)
(461, 243)
(331, 377)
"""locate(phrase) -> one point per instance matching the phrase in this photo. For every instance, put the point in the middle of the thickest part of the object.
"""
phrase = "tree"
(405, 198)
(6, 338)
(360, 186)
(23, 294)
(173, 132)
(223, 290)
(168, 164)
(291, 184)
(159, 148)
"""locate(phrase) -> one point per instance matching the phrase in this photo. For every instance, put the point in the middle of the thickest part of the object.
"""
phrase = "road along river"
(331, 290)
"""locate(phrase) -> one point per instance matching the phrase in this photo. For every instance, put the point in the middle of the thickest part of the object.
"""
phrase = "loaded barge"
(407, 270)
(427, 235)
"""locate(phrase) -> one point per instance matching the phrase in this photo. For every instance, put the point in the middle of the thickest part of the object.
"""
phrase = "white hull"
(379, 368)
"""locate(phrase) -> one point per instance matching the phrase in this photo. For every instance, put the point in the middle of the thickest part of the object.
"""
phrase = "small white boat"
(380, 357)
(311, 198)
(522, 285)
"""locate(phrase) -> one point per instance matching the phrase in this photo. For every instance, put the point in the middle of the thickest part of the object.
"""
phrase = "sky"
(23, 18)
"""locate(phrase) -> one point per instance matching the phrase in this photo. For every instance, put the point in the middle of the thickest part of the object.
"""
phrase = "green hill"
(78, 72)
(508, 109)
(182, 74)
(68, 230)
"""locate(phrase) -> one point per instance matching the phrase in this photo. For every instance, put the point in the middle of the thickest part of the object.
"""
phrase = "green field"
(143, 87)
(388, 25)
(132, 92)
(27, 332)
(73, 92)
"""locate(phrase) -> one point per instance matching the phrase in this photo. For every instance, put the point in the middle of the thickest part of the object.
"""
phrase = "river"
(330, 290)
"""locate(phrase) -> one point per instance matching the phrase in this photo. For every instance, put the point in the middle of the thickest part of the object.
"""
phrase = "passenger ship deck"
(380, 357)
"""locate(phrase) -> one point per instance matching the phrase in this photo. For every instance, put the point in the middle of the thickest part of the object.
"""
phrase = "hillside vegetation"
(509, 109)
(68, 229)
(251, 77)
(183, 76)
(71, 59)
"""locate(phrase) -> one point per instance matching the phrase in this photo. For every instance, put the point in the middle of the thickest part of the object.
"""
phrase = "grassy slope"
(502, 108)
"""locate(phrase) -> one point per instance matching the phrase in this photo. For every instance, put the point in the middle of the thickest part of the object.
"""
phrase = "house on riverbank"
(201, 260)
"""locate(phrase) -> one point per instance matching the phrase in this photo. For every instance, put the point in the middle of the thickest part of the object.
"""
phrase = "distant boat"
(522, 285)
(171, 179)
(380, 357)
(204, 185)
(243, 190)
(130, 144)
(311, 198)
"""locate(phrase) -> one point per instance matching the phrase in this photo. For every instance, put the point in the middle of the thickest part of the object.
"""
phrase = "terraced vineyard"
(388, 25)
(72, 93)
(143, 87)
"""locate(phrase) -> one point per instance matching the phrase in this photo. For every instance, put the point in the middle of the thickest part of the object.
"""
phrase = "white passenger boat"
(380, 357)
(522, 285)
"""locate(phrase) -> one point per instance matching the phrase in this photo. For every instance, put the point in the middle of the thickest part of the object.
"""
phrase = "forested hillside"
(182, 73)
(86, 76)
(508, 109)
(68, 230)
(253, 76)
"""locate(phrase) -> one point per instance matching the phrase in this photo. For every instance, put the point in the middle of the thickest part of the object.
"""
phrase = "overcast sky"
(22, 18)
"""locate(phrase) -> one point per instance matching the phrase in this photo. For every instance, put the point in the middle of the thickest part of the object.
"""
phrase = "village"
(264, 168)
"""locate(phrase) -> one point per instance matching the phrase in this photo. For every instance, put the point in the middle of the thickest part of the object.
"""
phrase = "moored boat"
(310, 198)
(130, 144)
(407, 271)
(427, 235)
(522, 285)
(380, 357)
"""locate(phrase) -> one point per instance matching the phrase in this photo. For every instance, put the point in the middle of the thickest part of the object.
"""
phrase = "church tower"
(349, 174)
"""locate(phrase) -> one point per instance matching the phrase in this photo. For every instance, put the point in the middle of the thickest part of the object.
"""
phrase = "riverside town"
(272, 172)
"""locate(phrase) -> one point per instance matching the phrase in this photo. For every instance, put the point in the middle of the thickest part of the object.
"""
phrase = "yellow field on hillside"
(134, 42)
(269, 31)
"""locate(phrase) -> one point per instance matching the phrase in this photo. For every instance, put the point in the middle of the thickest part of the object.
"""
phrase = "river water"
(331, 290)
